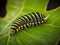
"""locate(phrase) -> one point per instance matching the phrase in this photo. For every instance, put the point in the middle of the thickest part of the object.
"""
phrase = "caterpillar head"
(12, 32)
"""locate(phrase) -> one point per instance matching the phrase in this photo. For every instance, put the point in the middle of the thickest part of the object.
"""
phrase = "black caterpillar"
(27, 21)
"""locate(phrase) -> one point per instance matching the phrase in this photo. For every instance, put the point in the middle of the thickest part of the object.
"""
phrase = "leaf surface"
(45, 34)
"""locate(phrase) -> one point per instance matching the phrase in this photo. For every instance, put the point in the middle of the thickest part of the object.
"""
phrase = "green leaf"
(45, 34)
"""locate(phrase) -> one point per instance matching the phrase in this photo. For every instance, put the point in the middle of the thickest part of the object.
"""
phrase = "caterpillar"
(27, 21)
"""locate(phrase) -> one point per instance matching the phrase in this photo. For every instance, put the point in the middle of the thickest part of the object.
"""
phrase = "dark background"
(3, 8)
(52, 4)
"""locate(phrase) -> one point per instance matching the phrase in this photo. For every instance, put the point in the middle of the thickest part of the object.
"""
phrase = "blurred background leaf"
(45, 34)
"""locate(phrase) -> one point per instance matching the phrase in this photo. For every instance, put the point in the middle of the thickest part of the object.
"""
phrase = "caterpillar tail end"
(46, 17)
